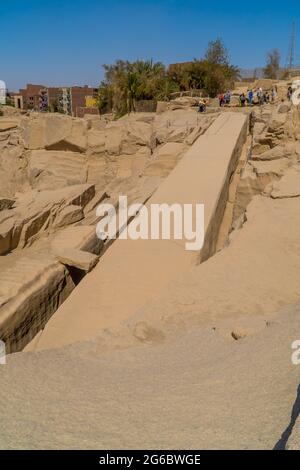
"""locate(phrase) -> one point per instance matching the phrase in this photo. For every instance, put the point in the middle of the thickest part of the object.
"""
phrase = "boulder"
(277, 122)
(37, 212)
(183, 102)
(274, 153)
(75, 140)
(79, 259)
(259, 148)
(96, 141)
(79, 237)
(113, 139)
(284, 107)
(35, 225)
(238, 333)
(68, 215)
(7, 125)
(33, 133)
(249, 186)
(55, 132)
(258, 128)
(288, 186)
(56, 169)
(268, 172)
(138, 133)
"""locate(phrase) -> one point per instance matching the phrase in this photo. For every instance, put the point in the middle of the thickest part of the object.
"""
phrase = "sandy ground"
(200, 391)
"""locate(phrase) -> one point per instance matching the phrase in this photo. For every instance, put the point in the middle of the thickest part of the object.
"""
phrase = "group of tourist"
(258, 96)
(253, 97)
(224, 99)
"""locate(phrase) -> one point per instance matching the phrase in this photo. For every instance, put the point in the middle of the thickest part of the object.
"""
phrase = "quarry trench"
(39, 303)
(185, 327)
(203, 174)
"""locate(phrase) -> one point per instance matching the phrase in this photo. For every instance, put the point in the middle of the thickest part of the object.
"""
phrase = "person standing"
(227, 98)
(250, 97)
(260, 96)
(242, 99)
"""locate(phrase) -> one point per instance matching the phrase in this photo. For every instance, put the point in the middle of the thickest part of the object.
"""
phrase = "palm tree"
(131, 88)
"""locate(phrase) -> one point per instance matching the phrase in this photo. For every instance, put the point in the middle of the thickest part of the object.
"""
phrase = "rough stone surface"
(69, 215)
(203, 174)
(6, 203)
(78, 259)
(227, 324)
(288, 186)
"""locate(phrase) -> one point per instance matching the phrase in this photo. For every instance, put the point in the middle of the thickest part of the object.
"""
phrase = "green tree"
(272, 68)
(126, 83)
(217, 53)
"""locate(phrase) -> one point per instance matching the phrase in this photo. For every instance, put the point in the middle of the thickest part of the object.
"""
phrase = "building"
(17, 99)
(64, 101)
(43, 100)
(90, 102)
(79, 96)
(31, 96)
(2, 92)
(74, 101)
(49, 99)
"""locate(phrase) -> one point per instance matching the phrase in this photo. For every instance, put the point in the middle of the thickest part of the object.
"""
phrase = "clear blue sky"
(66, 42)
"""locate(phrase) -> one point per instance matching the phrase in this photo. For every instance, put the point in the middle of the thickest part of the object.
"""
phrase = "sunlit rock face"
(296, 92)
(2, 92)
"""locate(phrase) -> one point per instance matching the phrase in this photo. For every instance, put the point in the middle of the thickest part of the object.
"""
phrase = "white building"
(2, 92)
